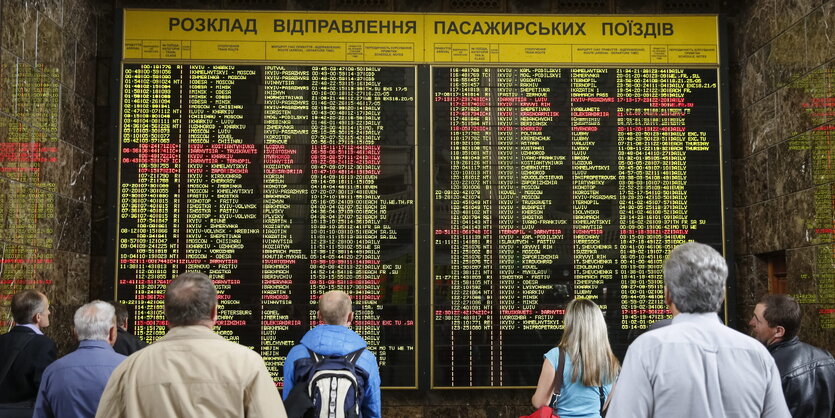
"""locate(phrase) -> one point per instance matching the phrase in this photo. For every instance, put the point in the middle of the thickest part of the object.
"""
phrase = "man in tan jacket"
(191, 372)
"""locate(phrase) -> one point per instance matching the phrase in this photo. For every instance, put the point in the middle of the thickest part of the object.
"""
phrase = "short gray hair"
(695, 276)
(334, 306)
(94, 320)
(26, 304)
(189, 299)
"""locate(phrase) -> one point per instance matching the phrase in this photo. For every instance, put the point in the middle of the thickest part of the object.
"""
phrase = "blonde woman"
(589, 364)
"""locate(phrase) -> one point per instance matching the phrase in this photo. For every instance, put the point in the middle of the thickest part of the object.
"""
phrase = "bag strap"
(354, 356)
(558, 379)
(602, 400)
(15, 351)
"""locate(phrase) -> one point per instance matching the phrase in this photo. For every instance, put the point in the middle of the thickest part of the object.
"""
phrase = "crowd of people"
(690, 366)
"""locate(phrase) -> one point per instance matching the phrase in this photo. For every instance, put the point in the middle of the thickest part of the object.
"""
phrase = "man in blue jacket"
(334, 338)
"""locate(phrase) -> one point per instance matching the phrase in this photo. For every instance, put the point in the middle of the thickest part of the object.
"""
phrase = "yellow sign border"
(420, 38)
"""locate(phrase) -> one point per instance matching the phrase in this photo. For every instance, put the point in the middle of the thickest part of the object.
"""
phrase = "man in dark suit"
(126, 343)
(26, 347)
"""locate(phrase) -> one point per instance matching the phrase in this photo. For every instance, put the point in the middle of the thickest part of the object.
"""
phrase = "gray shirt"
(698, 367)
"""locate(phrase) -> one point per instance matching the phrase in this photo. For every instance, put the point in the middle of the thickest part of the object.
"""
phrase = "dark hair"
(26, 304)
(784, 311)
(121, 312)
(189, 299)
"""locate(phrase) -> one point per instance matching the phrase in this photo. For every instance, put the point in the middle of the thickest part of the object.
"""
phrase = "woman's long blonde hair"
(586, 342)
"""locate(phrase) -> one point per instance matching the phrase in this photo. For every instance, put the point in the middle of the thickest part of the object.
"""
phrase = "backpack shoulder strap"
(316, 357)
(354, 356)
(15, 351)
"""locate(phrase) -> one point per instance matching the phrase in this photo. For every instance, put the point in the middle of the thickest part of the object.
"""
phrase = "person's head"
(191, 299)
(335, 308)
(694, 278)
(95, 321)
(121, 314)
(585, 332)
(30, 307)
(776, 318)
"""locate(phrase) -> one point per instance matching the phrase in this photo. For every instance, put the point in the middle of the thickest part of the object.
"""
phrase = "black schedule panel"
(556, 183)
(280, 182)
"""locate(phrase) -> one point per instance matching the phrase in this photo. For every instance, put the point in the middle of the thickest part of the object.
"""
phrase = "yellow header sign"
(193, 35)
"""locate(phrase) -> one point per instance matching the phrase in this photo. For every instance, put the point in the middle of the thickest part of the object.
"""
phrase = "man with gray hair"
(191, 372)
(25, 351)
(697, 367)
(72, 385)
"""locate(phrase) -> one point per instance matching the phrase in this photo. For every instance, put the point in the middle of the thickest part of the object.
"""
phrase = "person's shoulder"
(368, 357)
(738, 339)
(817, 352)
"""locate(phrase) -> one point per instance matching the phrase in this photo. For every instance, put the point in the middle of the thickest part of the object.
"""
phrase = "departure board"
(462, 177)
(560, 183)
(280, 183)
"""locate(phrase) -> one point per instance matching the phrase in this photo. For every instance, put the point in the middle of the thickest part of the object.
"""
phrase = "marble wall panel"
(756, 177)
(50, 44)
(51, 9)
(80, 19)
(759, 27)
(789, 12)
(57, 173)
(85, 71)
(764, 227)
(821, 226)
(753, 78)
(60, 327)
(22, 96)
(789, 167)
(8, 70)
(4, 209)
(77, 121)
(80, 176)
(763, 127)
(45, 100)
(787, 57)
(30, 215)
(68, 64)
(738, 168)
(72, 230)
(18, 29)
(794, 106)
(820, 34)
(793, 213)
(752, 283)
(740, 231)
(800, 274)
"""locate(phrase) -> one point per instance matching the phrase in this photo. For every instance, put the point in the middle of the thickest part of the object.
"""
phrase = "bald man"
(332, 337)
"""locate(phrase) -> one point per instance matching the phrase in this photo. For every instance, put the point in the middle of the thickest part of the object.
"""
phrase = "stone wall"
(782, 89)
(47, 79)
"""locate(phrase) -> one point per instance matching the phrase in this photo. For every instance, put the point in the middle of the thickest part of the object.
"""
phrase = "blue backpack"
(327, 386)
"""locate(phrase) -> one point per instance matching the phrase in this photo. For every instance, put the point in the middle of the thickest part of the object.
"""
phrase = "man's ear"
(74, 334)
(112, 335)
(780, 332)
(214, 313)
(350, 317)
(319, 317)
